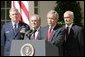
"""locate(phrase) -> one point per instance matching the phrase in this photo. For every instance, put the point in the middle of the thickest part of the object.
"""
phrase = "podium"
(36, 47)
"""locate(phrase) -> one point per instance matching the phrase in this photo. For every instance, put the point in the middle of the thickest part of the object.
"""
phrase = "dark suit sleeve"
(26, 36)
(59, 38)
(26, 26)
(81, 41)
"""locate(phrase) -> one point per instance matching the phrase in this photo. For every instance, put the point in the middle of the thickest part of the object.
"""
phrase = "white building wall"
(43, 8)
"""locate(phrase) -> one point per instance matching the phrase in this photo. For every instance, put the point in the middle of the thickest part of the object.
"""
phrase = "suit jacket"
(8, 34)
(29, 33)
(57, 36)
(74, 45)
(55, 33)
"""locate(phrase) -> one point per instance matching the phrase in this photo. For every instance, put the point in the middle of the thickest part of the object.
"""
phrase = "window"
(36, 7)
(5, 6)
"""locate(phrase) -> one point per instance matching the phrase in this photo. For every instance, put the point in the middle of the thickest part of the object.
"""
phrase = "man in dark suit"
(73, 44)
(52, 20)
(11, 31)
(36, 30)
(55, 35)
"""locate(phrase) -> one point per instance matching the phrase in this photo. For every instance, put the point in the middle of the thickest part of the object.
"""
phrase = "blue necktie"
(15, 28)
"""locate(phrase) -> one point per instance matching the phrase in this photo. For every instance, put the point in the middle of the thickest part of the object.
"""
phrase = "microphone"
(30, 32)
(34, 31)
(22, 32)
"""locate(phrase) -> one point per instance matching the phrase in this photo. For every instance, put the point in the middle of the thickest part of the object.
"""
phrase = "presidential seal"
(27, 50)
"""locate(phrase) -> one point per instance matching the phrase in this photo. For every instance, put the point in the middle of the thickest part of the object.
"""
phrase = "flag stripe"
(14, 3)
(25, 10)
(24, 18)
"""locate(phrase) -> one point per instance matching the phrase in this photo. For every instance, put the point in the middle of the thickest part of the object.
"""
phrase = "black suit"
(74, 44)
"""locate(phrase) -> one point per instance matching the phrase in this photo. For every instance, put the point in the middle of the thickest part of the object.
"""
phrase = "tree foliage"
(74, 6)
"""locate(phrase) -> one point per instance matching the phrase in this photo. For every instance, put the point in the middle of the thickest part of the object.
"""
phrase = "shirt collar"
(13, 23)
(38, 28)
(69, 25)
(52, 26)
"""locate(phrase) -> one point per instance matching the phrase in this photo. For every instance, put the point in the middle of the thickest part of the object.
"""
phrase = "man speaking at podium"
(11, 31)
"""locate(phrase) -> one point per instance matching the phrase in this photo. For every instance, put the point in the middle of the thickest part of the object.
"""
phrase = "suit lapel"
(52, 35)
(55, 31)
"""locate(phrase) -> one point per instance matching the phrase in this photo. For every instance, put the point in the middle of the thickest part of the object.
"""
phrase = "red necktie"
(49, 34)
(33, 35)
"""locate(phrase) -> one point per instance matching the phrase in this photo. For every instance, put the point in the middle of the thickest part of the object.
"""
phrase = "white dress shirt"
(69, 27)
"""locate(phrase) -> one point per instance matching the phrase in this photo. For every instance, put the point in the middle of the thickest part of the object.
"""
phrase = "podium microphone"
(29, 33)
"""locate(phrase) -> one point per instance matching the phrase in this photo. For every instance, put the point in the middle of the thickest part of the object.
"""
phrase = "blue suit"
(8, 34)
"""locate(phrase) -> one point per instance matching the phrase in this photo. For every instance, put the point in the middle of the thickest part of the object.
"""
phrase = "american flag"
(23, 8)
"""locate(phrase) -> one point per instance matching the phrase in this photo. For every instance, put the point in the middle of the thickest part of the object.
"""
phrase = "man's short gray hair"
(37, 16)
(54, 13)
(70, 13)
(13, 9)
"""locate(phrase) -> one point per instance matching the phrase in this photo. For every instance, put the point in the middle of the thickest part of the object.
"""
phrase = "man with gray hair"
(52, 32)
(11, 31)
(50, 29)
(36, 29)
(73, 44)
